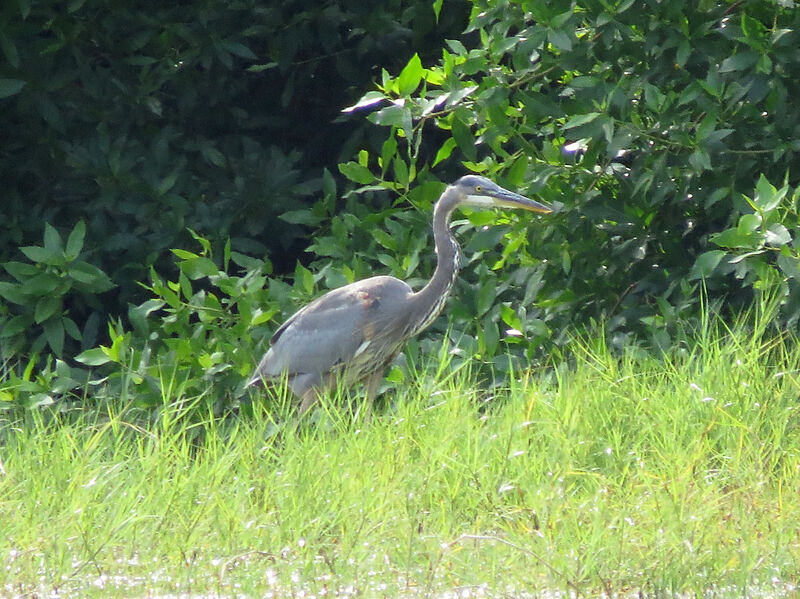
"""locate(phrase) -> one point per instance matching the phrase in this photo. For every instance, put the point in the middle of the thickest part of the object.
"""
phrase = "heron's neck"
(429, 301)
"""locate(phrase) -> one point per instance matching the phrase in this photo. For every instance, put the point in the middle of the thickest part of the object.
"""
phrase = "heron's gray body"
(352, 333)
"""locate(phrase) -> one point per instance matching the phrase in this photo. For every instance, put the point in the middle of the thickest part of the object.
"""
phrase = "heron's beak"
(509, 199)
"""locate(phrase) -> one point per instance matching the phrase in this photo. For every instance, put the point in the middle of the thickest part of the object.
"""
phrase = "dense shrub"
(147, 120)
(665, 134)
(649, 124)
(144, 121)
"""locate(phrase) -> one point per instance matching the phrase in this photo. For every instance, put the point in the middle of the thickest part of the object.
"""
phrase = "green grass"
(605, 474)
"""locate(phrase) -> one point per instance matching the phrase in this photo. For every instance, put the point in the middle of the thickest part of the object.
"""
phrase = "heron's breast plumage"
(433, 309)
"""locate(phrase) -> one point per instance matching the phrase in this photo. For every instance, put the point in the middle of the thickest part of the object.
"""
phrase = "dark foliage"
(650, 123)
(666, 134)
(145, 120)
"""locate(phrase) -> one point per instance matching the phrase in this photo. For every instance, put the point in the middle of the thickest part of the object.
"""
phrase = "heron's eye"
(478, 188)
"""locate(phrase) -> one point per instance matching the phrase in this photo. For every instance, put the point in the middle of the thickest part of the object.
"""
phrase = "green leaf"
(388, 151)
(391, 116)
(167, 183)
(9, 51)
(21, 271)
(456, 47)
(733, 238)
(488, 237)
(739, 62)
(226, 254)
(717, 136)
(401, 171)
(700, 161)
(767, 198)
(13, 293)
(24, 8)
(764, 64)
(777, 235)
(258, 68)
(445, 151)
(213, 155)
(49, 112)
(90, 277)
(356, 172)
(510, 317)
(139, 60)
(71, 328)
(199, 267)
(455, 97)
(749, 223)
(684, 51)
(93, 357)
(480, 219)
(516, 173)
(52, 239)
(46, 307)
(560, 39)
(250, 263)
(566, 261)
(301, 217)
(410, 76)
(368, 99)
(754, 31)
(16, 325)
(260, 317)
(789, 265)
(705, 264)
(463, 137)
(212, 307)
(54, 333)
(183, 254)
(384, 239)
(204, 243)
(138, 314)
(487, 292)
(9, 87)
(304, 279)
(491, 335)
(329, 184)
(239, 50)
(75, 240)
(41, 284)
(437, 8)
(396, 374)
(581, 119)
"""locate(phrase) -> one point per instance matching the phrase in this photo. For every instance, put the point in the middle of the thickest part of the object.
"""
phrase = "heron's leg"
(372, 384)
(309, 398)
(308, 387)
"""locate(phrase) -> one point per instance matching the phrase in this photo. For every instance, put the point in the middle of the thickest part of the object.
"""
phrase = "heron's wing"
(331, 330)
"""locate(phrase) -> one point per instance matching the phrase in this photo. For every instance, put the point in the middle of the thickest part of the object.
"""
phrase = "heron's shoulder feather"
(351, 302)
(331, 329)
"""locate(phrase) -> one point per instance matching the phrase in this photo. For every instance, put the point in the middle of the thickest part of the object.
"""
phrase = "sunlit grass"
(603, 473)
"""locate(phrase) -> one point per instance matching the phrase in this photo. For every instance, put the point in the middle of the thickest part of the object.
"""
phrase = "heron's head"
(480, 192)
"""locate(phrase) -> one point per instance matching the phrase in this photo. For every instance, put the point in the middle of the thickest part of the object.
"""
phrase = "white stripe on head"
(480, 201)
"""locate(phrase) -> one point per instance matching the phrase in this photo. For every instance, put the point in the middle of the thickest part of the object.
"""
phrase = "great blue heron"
(352, 333)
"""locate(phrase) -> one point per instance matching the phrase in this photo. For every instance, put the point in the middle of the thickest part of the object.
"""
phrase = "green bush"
(647, 128)
(654, 129)
(143, 121)
(38, 306)
(762, 250)
(193, 334)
